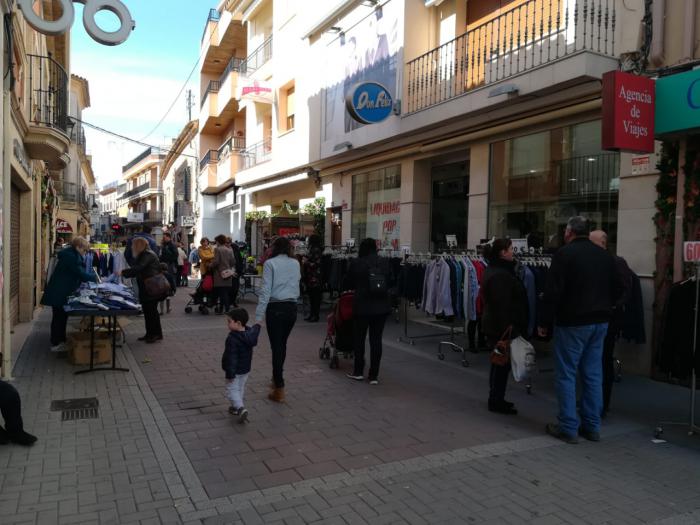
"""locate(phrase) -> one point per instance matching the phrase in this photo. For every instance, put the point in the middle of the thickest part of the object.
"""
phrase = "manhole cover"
(75, 409)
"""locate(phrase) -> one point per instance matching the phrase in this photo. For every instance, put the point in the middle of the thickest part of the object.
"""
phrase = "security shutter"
(14, 254)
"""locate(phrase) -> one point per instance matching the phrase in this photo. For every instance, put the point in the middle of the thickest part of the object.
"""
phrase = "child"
(237, 359)
(165, 303)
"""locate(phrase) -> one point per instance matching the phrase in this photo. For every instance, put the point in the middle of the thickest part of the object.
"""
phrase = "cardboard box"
(79, 348)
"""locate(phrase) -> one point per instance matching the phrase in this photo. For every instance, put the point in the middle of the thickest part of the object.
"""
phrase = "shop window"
(538, 181)
(450, 205)
(376, 206)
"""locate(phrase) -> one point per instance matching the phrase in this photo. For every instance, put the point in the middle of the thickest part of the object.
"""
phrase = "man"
(168, 253)
(624, 276)
(11, 409)
(146, 234)
(579, 296)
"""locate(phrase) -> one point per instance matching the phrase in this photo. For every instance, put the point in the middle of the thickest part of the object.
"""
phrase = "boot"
(277, 395)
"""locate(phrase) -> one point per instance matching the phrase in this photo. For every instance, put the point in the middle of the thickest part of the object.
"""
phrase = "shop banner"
(255, 90)
(383, 217)
(678, 102)
(628, 112)
(63, 226)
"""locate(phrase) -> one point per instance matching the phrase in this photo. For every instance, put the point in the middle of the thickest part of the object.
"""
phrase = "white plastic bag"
(523, 359)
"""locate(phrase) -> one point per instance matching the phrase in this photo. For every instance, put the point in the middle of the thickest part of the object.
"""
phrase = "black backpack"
(378, 286)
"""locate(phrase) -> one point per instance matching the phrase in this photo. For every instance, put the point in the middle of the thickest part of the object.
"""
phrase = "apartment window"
(290, 108)
(287, 108)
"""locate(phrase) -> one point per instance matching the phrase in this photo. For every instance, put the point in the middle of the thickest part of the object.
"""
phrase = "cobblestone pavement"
(418, 448)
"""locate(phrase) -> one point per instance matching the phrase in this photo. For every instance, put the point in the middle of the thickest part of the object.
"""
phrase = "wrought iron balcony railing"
(257, 153)
(257, 58)
(48, 88)
(211, 157)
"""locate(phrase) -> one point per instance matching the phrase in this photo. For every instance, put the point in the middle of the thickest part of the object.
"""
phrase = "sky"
(133, 84)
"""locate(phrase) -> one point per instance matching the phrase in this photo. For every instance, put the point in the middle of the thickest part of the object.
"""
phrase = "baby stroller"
(203, 296)
(339, 333)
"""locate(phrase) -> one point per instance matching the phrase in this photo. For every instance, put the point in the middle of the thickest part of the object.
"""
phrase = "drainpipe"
(658, 32)
(689, 30)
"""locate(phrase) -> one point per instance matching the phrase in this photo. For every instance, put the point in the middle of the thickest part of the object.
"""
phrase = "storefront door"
(450, 205)
(14, 254)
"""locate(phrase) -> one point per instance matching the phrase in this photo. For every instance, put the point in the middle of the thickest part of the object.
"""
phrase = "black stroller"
(203, 300)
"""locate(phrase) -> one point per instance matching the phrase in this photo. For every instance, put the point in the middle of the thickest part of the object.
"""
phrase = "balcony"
(527, 37)
(207, 171)
(142, 156)
(257, 154)
(68, 192)
(258, 58)
(144, 190)
(231, 161)
(219, 101)
(223, 35)
(47, 138)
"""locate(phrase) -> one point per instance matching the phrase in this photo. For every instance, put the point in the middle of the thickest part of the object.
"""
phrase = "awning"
(288, 179)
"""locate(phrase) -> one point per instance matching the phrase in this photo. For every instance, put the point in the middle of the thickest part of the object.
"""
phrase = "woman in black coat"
(146, 264)
(370, 277)
(505, 305)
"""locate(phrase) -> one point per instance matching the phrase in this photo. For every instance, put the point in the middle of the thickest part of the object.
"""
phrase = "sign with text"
(134, 216)
(678, 102)
(691, 252)
(369, 103)
(628, 112)
(187, 221)
(383, 217)
(63, 226)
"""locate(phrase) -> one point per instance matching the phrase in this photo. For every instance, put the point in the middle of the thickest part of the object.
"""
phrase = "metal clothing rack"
(692, 427)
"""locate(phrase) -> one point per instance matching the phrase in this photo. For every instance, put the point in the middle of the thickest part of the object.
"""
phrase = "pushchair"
(203, 296)
(339, 331)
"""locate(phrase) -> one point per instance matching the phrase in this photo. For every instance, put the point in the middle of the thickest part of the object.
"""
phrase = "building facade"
(140, 194)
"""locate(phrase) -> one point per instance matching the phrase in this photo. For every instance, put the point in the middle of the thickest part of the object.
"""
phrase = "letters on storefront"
(369, 103)
(678, 103)
(63, 226)
(628, 112)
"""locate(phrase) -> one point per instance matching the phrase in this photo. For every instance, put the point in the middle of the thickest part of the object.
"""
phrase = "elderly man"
(579, 297)
(624, 276)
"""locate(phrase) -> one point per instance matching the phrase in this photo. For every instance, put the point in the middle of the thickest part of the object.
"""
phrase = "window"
(538, 181)
(287, 108)
(290, 108)
(376, 206)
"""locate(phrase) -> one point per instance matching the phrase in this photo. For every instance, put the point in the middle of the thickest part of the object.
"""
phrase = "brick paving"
(419, 448)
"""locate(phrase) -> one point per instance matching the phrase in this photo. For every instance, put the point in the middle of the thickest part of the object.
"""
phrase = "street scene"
(384, 262)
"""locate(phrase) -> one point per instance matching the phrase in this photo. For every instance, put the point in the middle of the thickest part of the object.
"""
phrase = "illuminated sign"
(369, 103)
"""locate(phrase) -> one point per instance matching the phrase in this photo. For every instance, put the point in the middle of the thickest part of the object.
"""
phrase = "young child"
(237, 359)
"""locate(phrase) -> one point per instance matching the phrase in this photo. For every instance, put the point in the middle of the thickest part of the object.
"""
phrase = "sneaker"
(4, 437)
(60, 347)
(355, 378)
(242, 415)
(503, 407)
(234, 411)
(373, 382)
(588, 435)
(554, 431)
(22, 438)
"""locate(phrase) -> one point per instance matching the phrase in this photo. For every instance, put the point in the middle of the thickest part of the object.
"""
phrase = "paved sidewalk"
(418, 448)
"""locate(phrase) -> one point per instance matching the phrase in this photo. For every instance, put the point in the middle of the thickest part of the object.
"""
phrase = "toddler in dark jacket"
(237, 359)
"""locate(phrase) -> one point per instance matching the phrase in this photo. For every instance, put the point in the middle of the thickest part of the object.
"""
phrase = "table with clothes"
(107, 300)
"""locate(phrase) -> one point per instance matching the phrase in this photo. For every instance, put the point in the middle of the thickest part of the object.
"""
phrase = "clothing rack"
(692, 427)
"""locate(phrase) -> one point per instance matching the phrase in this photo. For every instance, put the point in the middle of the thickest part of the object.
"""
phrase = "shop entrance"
(450, 205)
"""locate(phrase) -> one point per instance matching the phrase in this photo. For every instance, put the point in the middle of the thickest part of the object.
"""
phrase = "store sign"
(187, 221)
(628, 112)
(691, 252)
(678, 102)
(384, 217)
(254, 90)
(369, 102)
(63, 226)
(21, 155)
(134, 217)
(63, 24)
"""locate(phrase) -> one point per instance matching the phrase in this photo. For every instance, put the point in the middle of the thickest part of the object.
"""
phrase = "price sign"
(691, 252)
(451, 241)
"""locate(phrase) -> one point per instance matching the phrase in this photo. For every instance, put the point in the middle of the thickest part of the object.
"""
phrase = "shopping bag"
(157, 287)
(522, 358)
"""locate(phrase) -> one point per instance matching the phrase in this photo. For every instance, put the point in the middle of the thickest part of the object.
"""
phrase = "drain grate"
(75, 409)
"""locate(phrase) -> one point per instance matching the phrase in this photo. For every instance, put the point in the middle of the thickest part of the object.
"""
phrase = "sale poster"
(383, 217)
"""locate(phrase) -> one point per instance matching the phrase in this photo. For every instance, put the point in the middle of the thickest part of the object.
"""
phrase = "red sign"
(63, 226)
(691, 252)
(628, 112)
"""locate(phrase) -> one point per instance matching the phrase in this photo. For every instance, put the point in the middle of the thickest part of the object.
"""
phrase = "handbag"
(500, 355)
(208, 283)
(523, 358)
(226, 274)
(157, 286)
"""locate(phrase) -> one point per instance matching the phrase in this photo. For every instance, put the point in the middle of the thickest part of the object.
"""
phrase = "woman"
(66, 278)
(505, 306)
(312, 278)
(223, 267)
(278, 305)
(146, 264)
(181, 276)
(206, 256)
(370, 277)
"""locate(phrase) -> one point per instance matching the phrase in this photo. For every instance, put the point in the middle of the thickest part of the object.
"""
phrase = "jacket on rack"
(357, 279)
(633, 325)
(505, 301)
(676, 355)
(437, 290)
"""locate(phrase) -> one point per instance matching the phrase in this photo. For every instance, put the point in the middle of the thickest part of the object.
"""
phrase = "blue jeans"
(579, 349)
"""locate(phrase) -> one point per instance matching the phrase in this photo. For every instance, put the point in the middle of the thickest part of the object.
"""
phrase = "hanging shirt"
(528, 279)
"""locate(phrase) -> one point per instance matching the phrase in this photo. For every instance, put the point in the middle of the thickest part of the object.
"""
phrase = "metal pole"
(680, 211)
(693, 382)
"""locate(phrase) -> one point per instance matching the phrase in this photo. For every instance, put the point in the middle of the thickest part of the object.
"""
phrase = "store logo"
(369, 103)
(92, 7)
(691, 103)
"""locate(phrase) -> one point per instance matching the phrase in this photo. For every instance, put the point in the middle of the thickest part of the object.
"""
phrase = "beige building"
(141, 200)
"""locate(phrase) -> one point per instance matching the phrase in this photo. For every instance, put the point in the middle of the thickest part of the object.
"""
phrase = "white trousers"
(235, 390)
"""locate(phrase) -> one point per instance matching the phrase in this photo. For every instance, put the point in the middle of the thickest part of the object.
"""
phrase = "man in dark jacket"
(624, 277)
(370, 277)
(579, 296)
(168, 253)
(237, 359)
(66, 278)
(146, 234)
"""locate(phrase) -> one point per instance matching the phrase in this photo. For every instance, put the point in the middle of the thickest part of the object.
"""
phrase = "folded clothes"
(102, 297)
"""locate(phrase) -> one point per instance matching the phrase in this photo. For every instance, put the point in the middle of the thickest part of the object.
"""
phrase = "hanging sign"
(63, 24)
(255, 90)
(691, 252)
(628, 112)
(369, 102)
(63, 226)
(678, 102)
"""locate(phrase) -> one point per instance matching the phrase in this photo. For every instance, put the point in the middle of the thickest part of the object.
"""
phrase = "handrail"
(214, 16)
(212, 87)
(258, 58)
(211, 157)
(257, 153)
(48, 88)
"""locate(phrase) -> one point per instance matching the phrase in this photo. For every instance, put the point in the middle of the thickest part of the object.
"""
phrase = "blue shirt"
(280, 283)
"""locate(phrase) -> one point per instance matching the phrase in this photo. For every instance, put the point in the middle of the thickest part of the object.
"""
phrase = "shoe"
(143, 338)
(60, 347)
(22, 438)
(234, 411)
(277, 395)
(4, 437)
(588, 435)
(355, 378)
(554, 431)
(242, 415)
(502, 407)
(373, 382)
(153, 339)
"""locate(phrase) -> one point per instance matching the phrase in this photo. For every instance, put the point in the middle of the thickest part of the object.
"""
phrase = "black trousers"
(11, 408)
(315, 295)
(179, 278)
(59, 321)
(474, 342)
(280, 319)
(233, 292)
(152, 318)
(375, 325)
(608, 367)
(224, 295)
(498, 381)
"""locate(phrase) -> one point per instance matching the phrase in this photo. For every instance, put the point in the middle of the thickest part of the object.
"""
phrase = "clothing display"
(676, 355)
(105, 297)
